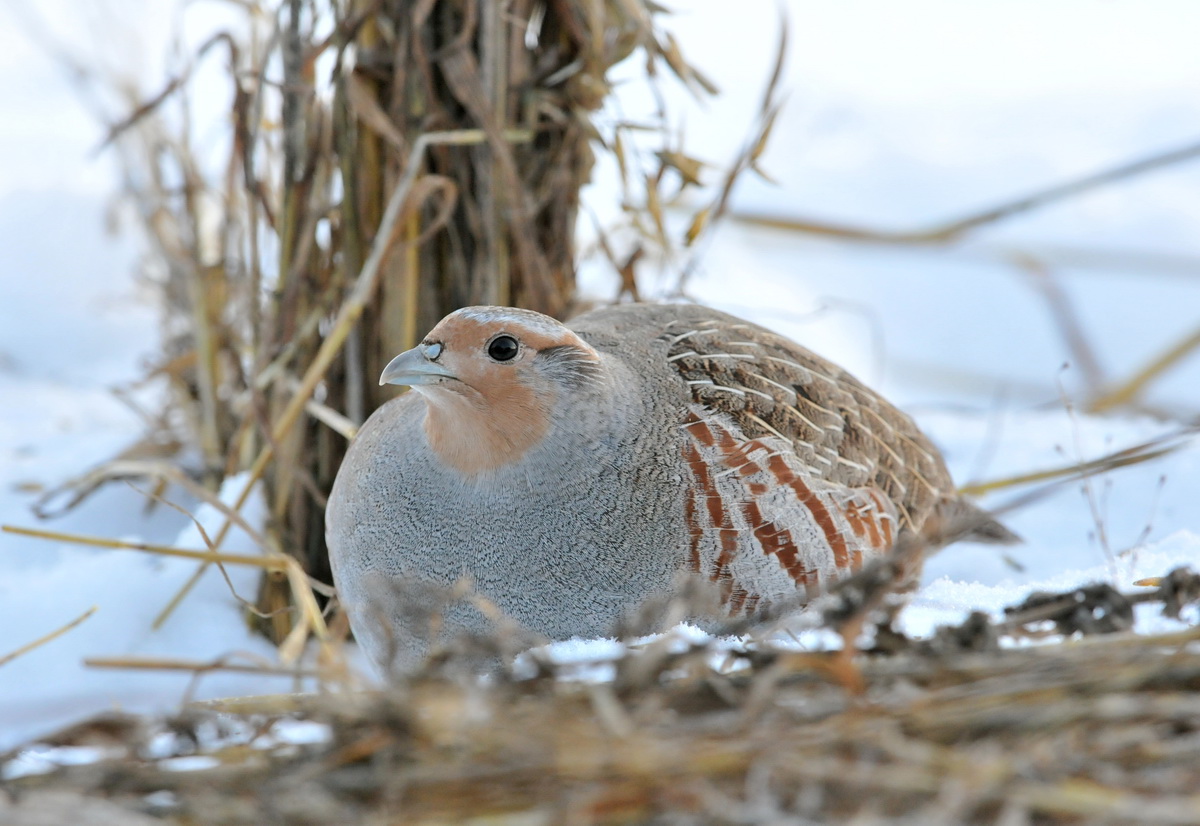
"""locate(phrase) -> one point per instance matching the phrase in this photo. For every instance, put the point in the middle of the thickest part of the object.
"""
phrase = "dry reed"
(1103, 728)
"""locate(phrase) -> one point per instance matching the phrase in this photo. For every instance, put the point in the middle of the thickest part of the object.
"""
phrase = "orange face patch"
(494, 412)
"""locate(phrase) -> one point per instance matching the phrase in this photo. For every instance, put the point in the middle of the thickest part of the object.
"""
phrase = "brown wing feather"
(841, 429)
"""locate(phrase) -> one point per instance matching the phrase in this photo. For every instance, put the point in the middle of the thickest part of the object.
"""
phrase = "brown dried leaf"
(764, 136)
(689, 168)
(365, 104)
(683, 70)
(423, 191)
(762, 173)
(618, 150)
(697, 227)
(628, 273)
(654, 208)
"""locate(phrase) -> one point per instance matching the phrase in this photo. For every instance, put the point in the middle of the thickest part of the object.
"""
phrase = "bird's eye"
(433, 350)
(503, 348)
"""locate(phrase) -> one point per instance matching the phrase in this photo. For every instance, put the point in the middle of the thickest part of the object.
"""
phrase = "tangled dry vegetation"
(1101, 729)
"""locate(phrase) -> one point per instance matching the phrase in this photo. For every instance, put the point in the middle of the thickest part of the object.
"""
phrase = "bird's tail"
(964, 521)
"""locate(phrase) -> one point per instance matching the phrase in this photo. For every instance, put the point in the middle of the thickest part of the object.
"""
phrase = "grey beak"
(413, 367)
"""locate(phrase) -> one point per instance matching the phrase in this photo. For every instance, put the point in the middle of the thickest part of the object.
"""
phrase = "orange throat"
(476, 433)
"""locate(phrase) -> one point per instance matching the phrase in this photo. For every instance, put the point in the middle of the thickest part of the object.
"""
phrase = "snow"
(898, 118)
(129, 588)
(946, 599)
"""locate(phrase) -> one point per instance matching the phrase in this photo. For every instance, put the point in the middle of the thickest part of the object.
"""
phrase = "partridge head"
(572, 473)
(492, 379)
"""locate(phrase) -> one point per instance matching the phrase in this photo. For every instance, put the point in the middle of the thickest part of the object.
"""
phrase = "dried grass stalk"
(1105, 729)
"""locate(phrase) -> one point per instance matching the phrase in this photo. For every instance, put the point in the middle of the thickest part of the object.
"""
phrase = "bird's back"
(798, 472)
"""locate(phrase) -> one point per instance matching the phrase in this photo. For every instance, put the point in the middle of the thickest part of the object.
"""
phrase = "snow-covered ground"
(899, 116)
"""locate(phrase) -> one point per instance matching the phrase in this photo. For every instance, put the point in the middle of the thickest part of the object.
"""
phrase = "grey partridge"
(572, 472)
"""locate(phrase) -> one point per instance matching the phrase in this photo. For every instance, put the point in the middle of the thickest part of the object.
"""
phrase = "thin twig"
(45, 638)
(1129, 390)
(953, 230)
(1067, 319)
(1138, 454)
(707, 218)
(271, 563)
(176, 664)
